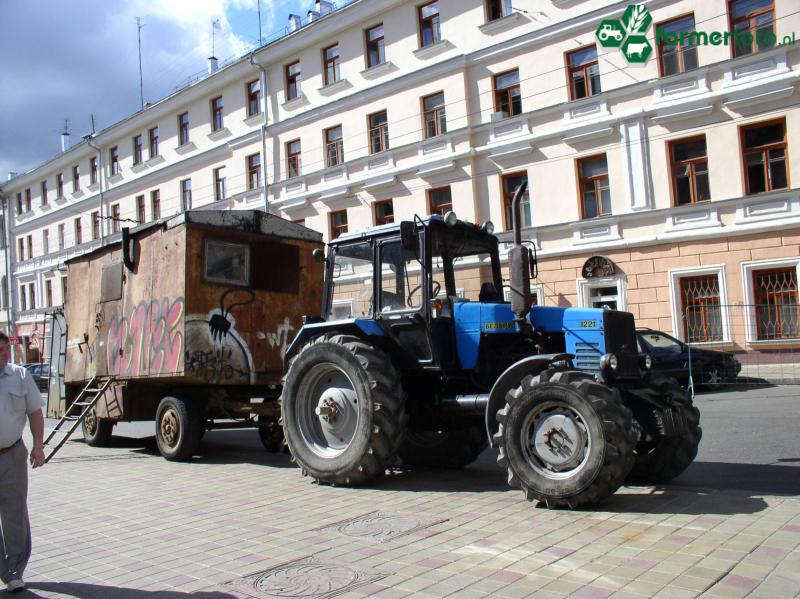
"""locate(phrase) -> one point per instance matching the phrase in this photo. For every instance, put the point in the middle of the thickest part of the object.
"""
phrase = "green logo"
(628, 33)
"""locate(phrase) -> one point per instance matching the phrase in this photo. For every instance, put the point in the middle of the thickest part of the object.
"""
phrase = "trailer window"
(227, 263)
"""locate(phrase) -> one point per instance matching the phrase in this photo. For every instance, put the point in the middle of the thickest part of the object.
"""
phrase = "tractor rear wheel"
(565, 439)
(664, 458)
(343, 410)
(443, 449)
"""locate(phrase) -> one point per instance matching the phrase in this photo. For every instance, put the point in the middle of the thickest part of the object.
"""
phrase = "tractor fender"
(511, 377)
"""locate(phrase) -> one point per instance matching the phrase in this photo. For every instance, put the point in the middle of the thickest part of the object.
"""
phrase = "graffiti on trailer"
(146, 341)
(280, 338)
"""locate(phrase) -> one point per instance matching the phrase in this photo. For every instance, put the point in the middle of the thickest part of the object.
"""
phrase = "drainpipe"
(12, 327)
(264, 186)
(100, 166)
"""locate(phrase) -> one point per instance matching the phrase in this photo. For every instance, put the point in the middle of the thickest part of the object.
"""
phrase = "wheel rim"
(90, 421)
(170, 426)
(555, 440)
(714, 377)
(327, 410)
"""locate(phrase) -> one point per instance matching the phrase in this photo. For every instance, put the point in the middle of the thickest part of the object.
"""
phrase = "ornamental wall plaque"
(598, 266)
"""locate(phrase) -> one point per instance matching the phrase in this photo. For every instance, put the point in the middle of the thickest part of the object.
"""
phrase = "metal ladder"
(75, 413)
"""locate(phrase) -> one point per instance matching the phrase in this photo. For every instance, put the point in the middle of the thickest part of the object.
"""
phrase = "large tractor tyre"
(178, 428)
(443, 449)
(96, 433)
(662, 459)
(343, 410)
(565, 439)
(271, 435)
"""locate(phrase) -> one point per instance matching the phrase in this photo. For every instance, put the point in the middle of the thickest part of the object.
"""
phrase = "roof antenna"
(139, 25)
(214, 26)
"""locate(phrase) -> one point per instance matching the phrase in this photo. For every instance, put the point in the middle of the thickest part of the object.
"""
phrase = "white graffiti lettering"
(280, 338)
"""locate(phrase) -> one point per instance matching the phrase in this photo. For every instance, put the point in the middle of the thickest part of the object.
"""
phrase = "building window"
(78, 230)
(253, 171)
(115, 218)
(330, 63)
(511, 183)
(594, 189)
(43, 191)
(497, 9)
(384, 212)
(433, 115)
(689, 167)
(764, 153)
(95, 225)
(429, 26)
(59, 186)
(64, 290)
(217, 121)
(48, 291)
(140, 211)
(219, 183)
(45, 242)
(19, 203)
(27, 200)
(753, 25)
(375, 49)
(22, 298)
(334, 146)
(293, 81)
(29, 241)
(776, 297)
(677, 56)
(183, 129)
(186, 195)
(155, 204)
(293, 159)
(113, 159)
(153, 138)
(254, 98)
(32, 295)
(583, 73)
(702, 309)
(21, 249)
(138, 150)
(507, 95)
(61, 236)
(338, 221)
(439, 200)
(378, 132)
(76, 179)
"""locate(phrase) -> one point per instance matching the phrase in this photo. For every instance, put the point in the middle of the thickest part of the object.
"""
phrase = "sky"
(70, 59)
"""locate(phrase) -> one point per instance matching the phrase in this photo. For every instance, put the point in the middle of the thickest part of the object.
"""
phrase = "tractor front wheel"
(343, 410)
(443, 449)
(565, 439)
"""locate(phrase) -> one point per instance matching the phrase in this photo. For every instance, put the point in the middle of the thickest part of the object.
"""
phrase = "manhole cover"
(382, 526)
(307, 577)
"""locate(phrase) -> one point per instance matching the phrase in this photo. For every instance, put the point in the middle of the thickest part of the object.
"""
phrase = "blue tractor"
(412, 370)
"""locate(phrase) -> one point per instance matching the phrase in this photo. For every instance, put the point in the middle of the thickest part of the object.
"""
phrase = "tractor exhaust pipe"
(520, 267)
(466, 403)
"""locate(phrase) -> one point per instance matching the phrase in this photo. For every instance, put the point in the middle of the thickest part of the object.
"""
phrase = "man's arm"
(36, 422)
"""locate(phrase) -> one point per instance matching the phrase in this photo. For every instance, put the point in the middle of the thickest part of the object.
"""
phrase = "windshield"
(464, 261)
(661, 341)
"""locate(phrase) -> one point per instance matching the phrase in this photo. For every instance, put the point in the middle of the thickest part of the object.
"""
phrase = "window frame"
(598, 196)
(220, 191)
(501, 4)
(253, 97)
(382, 220)
(94, 170)
(183, 129)
(691, 163)
(43, 193)
(113, 160)
(138, 149)
(681, 49)
(331, 66)
(508, 197)
(749, 17)
(76, 178)
(141, 209)
(434, 22)
(45, 241)
(749, 269)
(431, 191)
(115, 217)
(185, 186)
(293, 159)
(764, 149)
(436, 115)
(77, 230)
(28, 199)
(253, 171)
(379, 43)
(339, 147)
(61, 236)
(583, 67)
(95, 220)
(676, 303)
(336, 231)
(155, 204)
(292, 82)
(382, 130)
(217, 114)
(496, 93)
(152, 142)
(237, 282)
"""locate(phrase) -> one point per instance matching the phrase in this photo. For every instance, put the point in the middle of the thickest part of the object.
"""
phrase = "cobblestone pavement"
(238, 522)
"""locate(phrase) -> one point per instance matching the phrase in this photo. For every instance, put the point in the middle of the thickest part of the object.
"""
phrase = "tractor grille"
(587, 356)
(620, 331)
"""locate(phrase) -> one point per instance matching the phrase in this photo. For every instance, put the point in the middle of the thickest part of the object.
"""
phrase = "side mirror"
(319, 255)
(408, 235)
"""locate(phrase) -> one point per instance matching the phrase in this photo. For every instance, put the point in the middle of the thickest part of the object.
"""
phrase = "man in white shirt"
(20, 400)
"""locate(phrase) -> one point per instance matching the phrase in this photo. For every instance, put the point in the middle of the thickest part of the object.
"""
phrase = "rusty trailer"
(190, 316)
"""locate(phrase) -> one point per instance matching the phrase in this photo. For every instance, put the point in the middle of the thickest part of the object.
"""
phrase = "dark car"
(40, 373)
(670, 356)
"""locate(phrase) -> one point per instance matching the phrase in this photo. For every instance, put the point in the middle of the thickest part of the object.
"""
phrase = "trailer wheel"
(664, 458)
(565, 439)
(343, 411)
(443, 449)
(96, 433)
(178, 428)
(271, 435)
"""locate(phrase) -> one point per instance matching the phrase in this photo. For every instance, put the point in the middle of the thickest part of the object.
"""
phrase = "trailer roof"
(248, 221)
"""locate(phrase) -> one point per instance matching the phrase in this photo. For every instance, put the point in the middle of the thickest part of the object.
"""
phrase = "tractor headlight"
(609, 361)
(648, 361)
(450, 218)
(488, 226)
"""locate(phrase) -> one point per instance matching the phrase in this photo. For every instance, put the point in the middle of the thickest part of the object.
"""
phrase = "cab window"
(401, 278)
